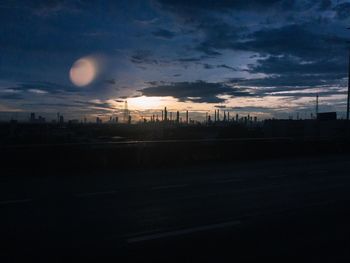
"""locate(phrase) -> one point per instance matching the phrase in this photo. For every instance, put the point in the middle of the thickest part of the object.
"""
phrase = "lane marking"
(96, 193)
(169, 186)
(181, 232)
(18, 201)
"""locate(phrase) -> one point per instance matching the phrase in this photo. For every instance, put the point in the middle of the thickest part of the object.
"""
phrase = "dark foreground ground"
(287, 210)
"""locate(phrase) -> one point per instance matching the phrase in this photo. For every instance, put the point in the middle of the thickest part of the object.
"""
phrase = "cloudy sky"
(268, 58)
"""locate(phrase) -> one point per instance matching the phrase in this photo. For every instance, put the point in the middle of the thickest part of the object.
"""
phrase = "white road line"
(181, 232)
(169, 186)
(7, 202)
(96, 193)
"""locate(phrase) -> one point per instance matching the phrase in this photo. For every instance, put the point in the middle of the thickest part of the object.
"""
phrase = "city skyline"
(264, 58)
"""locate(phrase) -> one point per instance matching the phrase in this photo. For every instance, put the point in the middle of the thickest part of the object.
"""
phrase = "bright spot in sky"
(83, 71)
(144, 102)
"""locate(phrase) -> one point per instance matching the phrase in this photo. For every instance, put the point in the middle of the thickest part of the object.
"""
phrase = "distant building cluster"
(33, 119)
(220, 117)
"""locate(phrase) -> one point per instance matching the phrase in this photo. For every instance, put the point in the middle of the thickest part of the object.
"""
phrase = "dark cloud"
(295, 40)
(288, 81)
(199, 91)
(216, 5)
(220, 106)
(325, 4)
(11, 96)
(254, 108)
(226, 67)
(43, 8)
(190, 59)
(95, 104)
(47, 87)
(163, 33)
(343, 10)
(294, 65)
(111, 81)
(209, 66)
(143, 57)
(218, 35)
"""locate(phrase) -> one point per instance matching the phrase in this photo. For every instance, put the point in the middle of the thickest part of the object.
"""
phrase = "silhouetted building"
(126, 112)
(75, 121)
(61, 119)
(327, 116)
(32, 117)
(165, 114)
(98, 120)
(41, 119)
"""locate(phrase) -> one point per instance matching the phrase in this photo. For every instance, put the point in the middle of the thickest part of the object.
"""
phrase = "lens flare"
(83, 71)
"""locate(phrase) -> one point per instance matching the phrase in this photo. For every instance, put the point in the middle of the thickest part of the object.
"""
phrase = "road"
(282, 209)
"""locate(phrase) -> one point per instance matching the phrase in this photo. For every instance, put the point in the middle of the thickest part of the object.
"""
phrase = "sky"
(268, 58)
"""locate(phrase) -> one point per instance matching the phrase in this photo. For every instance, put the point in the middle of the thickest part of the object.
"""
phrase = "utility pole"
(348, 99)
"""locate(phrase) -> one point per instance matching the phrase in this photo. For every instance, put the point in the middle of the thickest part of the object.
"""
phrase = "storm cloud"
(198, 91)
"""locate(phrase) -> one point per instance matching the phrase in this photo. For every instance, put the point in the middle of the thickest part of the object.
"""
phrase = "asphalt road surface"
(288, 210)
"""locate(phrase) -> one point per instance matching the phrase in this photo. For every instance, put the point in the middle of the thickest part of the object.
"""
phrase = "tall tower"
(126, 112)
(187, 117)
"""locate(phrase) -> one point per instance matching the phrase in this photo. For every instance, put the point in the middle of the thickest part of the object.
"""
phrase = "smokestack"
(187, 116)
(165, 114)
(316, 105)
